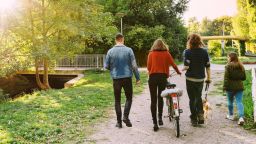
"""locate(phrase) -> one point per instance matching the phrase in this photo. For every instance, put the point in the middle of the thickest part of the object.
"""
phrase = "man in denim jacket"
(120, 60)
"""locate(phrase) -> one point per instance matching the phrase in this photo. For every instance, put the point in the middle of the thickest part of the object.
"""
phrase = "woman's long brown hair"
(159, 45)
(234, 61)
(194, 41)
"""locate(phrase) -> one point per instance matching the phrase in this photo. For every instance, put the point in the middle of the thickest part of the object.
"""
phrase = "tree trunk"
(46, 78)
(38, 80)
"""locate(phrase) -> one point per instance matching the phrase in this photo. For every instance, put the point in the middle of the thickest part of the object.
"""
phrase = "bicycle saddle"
(168, 84)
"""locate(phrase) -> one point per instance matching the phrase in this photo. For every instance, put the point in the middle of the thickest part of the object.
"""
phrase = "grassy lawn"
(223, 60)
(59, 116)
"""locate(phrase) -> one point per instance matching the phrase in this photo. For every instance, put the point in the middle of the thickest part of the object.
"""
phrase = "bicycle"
(172, 95)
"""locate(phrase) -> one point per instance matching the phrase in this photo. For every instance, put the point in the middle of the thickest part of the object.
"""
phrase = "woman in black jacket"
(233, 85)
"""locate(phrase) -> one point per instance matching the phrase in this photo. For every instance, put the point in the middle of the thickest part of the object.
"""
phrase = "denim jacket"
(120, 60)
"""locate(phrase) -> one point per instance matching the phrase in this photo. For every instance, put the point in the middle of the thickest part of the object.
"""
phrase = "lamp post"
(222, 41)
(121, 15)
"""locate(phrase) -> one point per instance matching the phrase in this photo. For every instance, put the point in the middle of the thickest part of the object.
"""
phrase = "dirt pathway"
(217, 129)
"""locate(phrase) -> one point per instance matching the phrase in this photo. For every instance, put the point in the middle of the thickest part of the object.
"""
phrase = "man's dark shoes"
(156, 128)
(160, 122)
(119, 124)
(201, 119)
(127, 122)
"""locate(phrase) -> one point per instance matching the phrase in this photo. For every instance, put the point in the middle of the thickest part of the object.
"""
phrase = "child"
(233, 85)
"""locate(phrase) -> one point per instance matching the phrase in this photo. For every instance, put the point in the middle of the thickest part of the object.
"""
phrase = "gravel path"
(217, 129)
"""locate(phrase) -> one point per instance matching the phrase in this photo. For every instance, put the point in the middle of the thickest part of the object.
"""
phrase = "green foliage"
(144, 21)
(230, 49)
(53, 29)
(214, 48)
(60, 116)
(244, 22)
(206, 28)
(209, 27)
(142, 37)
(248, 102)
(222, 22)
(193, 25)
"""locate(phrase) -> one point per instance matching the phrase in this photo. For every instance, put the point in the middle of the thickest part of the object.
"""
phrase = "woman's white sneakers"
(230, 117)
(241, 121)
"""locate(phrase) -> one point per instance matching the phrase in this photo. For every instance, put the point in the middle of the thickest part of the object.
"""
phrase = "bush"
(230, 49)
(214, 48)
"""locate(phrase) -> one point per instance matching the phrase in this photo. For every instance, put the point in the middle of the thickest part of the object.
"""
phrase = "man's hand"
(137, 82)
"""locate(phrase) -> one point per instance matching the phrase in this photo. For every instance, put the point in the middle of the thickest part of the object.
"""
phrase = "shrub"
(214, 48)
(230, 49)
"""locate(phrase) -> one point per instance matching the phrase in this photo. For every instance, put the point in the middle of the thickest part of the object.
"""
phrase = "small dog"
(206, 108)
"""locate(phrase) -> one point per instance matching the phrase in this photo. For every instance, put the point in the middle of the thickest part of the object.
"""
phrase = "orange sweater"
(159, 62)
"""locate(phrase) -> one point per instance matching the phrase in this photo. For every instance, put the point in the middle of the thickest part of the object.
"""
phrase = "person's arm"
(243, 75)
(186, 61)
(208, 75)
(107, 62)
(208, 70)
(134, 67)
(149, 62)
(171, 62)
(226, 76)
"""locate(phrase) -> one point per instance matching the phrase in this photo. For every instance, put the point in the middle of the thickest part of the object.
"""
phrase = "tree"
(206, 27)
(49, 31)
(244, 23)
(222, 24)
(147, 17)
(193, 25)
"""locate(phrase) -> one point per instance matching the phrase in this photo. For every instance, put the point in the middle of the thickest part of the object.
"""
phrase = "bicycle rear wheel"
(170, 110)
(177, 126)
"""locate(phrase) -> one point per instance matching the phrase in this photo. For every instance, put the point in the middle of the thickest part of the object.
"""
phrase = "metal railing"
(83, 61)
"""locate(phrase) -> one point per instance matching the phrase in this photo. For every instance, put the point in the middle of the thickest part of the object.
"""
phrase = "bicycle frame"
(175, 104)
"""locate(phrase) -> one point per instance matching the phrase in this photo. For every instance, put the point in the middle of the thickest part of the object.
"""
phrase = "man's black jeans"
(157, 83)
(194, 90)
(126, 84)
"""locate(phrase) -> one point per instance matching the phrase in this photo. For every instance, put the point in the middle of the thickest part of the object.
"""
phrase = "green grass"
(59, 116)
(248, 102)
(178, 62)
(223, 60)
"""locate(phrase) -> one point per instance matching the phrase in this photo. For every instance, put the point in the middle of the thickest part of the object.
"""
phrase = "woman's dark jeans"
(157, 83)
(126, 84)
(194, 90)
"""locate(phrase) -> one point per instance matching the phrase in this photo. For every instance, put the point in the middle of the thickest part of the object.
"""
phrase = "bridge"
(224, 38)
(81, 62)
(241, 40)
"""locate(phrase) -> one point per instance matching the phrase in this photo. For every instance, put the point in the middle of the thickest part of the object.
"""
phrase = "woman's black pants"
(157, 83)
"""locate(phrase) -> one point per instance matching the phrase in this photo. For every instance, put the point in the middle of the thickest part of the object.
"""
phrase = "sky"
(210, 8)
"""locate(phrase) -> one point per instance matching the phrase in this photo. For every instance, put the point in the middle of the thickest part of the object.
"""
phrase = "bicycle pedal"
(180, 110)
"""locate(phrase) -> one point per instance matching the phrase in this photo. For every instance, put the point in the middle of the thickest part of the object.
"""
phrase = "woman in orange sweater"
(159, 60)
